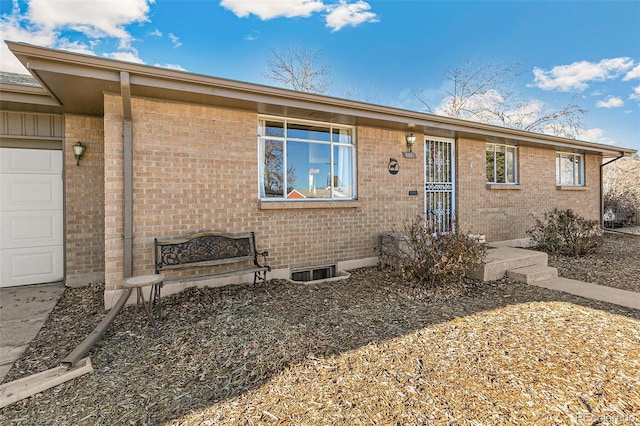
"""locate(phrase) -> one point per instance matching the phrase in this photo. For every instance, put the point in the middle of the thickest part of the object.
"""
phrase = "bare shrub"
(564, 232)
(432, 258)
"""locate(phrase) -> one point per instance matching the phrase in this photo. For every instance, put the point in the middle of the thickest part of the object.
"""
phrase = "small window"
(569, 169)
(302, 160)
(502, 164)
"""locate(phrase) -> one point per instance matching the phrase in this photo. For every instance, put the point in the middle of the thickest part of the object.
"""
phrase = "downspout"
(81, 350)
(602, 187)
(127, 133)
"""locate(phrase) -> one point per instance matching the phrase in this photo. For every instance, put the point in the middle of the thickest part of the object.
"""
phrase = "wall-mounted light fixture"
(78, 152)
(411, 139)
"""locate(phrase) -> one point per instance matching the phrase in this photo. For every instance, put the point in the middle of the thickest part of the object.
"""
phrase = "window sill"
(507, 186)
(291, 205)
(571, 188)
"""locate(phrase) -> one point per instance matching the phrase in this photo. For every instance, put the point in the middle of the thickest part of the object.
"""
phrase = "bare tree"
(484, 93)
(621, 190)
(298, 69)
(274, 170)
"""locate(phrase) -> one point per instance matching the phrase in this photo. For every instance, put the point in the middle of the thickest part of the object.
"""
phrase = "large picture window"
(569, 169)
(502, 164)
(305, 160)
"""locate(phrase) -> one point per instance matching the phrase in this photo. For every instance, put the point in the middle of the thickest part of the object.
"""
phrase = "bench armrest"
(264, 255)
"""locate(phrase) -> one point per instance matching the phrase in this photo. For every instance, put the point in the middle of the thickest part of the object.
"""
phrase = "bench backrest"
(205, 248)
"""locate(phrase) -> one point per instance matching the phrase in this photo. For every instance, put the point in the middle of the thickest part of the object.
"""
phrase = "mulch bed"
(615, 263)
(367, 350)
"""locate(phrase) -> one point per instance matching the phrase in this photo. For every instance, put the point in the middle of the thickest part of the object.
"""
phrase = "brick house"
(317, 178)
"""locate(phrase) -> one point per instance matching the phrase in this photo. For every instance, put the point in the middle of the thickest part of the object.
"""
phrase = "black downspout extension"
(602, 188)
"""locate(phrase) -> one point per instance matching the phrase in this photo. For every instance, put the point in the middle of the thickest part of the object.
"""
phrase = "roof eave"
(36, 58)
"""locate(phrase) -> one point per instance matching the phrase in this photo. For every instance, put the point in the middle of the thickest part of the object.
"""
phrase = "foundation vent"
(314, 274)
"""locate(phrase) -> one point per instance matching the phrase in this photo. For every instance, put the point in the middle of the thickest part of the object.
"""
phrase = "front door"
(439, 187)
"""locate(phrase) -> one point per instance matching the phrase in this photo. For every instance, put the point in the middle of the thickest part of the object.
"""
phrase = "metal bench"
(212, 249)
(235, 250)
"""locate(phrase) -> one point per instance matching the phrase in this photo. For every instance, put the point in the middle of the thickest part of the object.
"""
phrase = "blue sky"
(377, 51)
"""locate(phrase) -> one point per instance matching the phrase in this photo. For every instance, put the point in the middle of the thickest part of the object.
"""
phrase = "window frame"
(507, 148)
(580, 172)
(285, 138)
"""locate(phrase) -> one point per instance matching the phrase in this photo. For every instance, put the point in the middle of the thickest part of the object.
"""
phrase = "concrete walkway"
(23, 311)
(509, 258)
(602, 293)
(633, 230)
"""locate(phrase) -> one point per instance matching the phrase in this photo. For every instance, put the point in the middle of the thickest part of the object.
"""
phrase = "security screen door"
(439, 184)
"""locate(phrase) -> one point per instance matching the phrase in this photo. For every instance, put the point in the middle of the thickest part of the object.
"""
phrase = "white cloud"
(489, 107)
(14, 28)
(44, 21)
(525, 114)
(171, 66)
(95, 18)
(634, 73)
(578, 74)
(254, 35)
(156, 33)
(175, 40)
(610, 102)
(476, 107)
(595, 135)
(346, 14)
(125, 56)
(74, 46)
(269, 9)
(636, 93)
(338, 15)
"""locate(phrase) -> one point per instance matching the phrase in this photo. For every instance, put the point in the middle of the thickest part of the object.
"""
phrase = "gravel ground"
(366, 350)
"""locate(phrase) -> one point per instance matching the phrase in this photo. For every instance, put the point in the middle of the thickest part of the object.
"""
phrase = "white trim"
(516, 165)
(581, 171)
(331, 144)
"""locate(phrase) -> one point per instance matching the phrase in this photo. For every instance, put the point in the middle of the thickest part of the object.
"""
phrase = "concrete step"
(531, 274)
(499, 260)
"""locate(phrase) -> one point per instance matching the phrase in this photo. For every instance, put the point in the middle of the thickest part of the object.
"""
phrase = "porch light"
(78, 152)
(411, 139)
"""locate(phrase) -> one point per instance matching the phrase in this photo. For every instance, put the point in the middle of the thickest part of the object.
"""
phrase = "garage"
(31, 243)
(31, 200)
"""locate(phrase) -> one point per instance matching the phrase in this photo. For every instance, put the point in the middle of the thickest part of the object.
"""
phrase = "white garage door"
(31, 219)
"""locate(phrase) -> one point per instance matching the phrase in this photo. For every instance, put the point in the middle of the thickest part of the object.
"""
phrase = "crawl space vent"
(314, 274)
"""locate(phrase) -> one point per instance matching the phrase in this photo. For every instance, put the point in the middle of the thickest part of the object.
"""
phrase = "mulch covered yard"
(366, 350)
(614, 264)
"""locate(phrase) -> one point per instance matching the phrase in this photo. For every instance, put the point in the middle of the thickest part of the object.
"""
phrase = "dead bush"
(565, 232)
(421, 253)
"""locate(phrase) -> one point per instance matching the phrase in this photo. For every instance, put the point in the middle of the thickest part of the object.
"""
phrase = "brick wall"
(84, 198)
(506, 212)
(196, 168)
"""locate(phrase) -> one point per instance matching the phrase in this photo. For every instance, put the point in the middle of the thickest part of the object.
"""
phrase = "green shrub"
(564, 232)
(430, 257)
